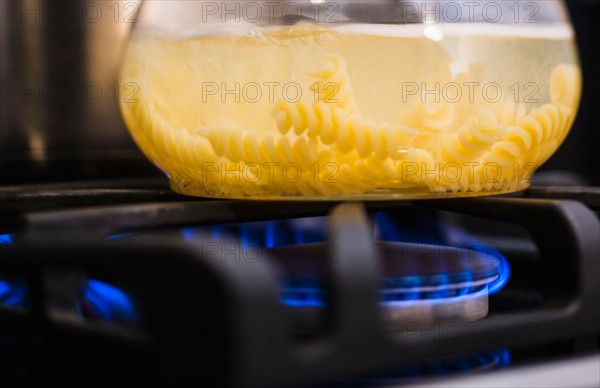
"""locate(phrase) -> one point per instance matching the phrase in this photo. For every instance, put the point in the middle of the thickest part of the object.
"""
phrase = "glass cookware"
(350, 99)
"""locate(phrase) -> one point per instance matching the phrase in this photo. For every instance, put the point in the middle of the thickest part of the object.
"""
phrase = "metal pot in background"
(59, 92)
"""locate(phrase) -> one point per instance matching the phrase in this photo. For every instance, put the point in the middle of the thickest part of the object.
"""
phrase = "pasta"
(339, 122)
(511, 113)
(334, 99)
(508, 162)
(334, 86)
(333, 126)
(425, 151)
(431, 117)
(532, 141)
(473, 138)
(252, 147)
(565, 85)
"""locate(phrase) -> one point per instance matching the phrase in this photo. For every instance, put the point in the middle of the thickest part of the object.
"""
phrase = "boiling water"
(360, 110)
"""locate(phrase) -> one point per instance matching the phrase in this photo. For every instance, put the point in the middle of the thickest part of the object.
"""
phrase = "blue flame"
(6, 239)
(188, 233)
(13, 293)
(271, 231)
(118, 236)
(501, 271)
(430, 230)
(99, 300)
(308, 230)
(272, 234)
(504, 272)
(217, 232)
(388, 229)
(309, 293)
(309, 297)
(468, 278)
(106, 302)
(266, 235)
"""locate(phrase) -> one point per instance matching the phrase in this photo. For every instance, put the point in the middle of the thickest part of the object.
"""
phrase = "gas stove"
(111, 282)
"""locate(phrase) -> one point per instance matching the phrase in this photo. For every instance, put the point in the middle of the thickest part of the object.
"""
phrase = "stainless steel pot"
(59, 90)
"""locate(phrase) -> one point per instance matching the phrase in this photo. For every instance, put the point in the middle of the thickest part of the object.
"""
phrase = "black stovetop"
(216, 315)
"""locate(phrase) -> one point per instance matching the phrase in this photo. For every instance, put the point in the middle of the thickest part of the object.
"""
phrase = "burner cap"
(420, 283)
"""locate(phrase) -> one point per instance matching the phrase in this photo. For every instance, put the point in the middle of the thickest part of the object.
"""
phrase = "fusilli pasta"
(367, 156)
(473, 138)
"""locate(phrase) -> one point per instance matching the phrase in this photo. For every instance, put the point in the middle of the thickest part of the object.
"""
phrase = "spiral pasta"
(333, 85)
(184, 155)
(311, 118)
(339, 122)
(252, 147)
(511, 113)
(430, 117)
(565, 85)
(421, 169)
(538, 134)
(367, 137)
(555, 121)
(333, 126)
(473, 138)
(363, 175)
(428, 150)
(181, 146)
(333, 92)
(532, 141)
(508, 162)
(565, 91)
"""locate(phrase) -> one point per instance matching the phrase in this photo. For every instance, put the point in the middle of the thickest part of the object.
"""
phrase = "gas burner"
(382, 283)
(420, 283)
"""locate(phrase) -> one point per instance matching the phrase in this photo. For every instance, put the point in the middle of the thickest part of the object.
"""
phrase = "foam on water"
(550, 31)
(538, 31)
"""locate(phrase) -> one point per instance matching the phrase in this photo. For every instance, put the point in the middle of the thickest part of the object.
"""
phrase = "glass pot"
(350, 99)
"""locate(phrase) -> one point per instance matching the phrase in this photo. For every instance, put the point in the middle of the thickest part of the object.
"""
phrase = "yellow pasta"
(511, 113)
(473, 138)
(338, 122)
(532, 141)
(430, 117)
(555, 121)
(508, 163)
(565, 85)
(334, 127)
(252, 147)
(483, 154)
(333, 94)
(334, 86)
